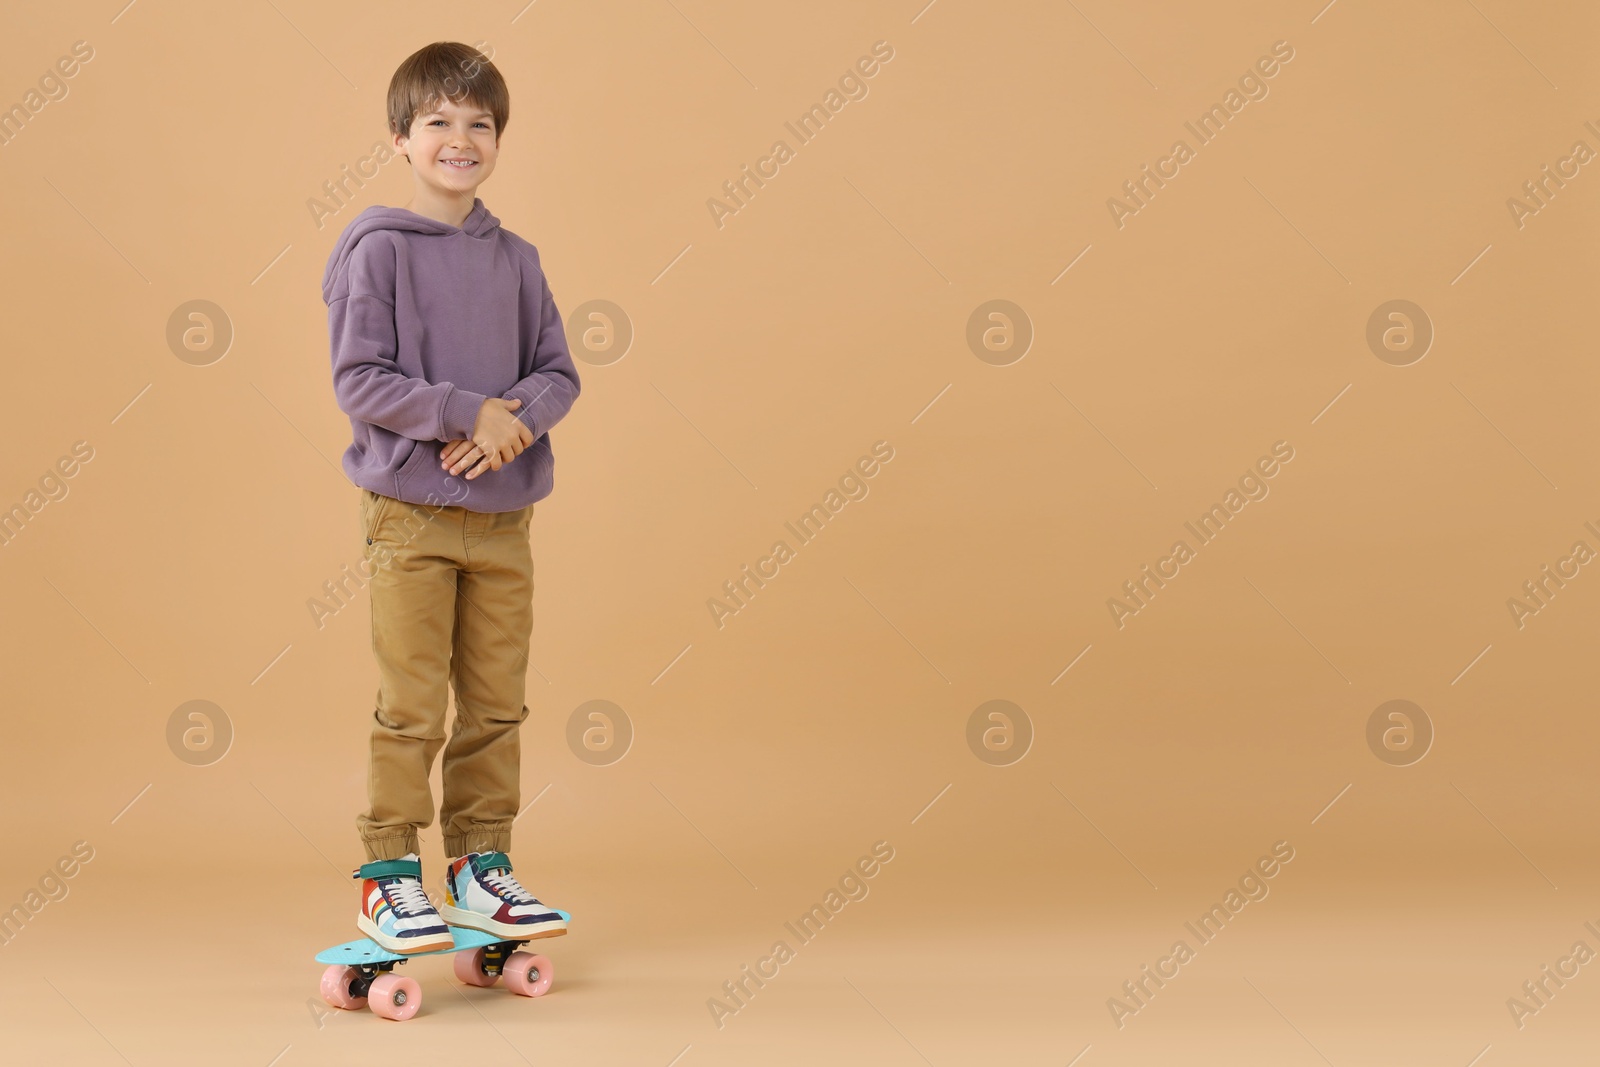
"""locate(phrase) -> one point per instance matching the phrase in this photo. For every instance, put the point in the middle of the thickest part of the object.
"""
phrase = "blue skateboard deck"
(367, 951)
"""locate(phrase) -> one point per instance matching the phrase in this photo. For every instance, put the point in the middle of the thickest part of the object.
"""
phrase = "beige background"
(831, 713)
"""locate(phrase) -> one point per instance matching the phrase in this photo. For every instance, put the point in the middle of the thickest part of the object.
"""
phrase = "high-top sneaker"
(395, 910)
(480, 892)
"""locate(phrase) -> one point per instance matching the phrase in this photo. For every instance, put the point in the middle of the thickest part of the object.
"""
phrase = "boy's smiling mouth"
(460, 164)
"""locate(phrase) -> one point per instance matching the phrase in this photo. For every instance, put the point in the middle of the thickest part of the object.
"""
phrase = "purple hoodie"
(426, 320)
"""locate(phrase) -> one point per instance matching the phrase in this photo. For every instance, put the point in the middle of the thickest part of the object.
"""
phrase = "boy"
(449, 357)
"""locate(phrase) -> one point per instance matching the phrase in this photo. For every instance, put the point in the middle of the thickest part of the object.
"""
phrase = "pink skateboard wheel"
(336, 987)
(469, 968)
(394, 997)
(528, 974)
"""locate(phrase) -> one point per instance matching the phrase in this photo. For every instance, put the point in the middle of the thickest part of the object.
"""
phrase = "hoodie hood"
(479, 223)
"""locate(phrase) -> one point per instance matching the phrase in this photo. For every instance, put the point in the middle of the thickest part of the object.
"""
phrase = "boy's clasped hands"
(498, 437)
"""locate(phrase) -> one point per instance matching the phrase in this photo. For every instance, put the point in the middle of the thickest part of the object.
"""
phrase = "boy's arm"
(367, 381)
(548, 391)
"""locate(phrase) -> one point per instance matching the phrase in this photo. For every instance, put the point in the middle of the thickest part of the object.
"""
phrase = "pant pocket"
(373, 508)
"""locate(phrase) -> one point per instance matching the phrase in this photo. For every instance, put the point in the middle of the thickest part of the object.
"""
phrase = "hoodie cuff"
(461, 414)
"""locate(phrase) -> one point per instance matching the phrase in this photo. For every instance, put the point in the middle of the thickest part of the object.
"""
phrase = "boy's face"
(451, 131)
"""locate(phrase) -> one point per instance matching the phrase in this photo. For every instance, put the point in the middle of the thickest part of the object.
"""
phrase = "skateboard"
(361, 973)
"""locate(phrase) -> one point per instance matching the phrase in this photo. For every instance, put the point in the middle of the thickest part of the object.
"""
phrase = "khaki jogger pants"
(452, 599)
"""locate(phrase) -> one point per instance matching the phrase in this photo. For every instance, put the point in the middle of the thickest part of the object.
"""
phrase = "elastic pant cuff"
(391, 846)
(480, 840)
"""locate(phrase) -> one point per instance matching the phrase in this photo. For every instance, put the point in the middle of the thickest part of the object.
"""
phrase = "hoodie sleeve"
(550, 387)
(367, 381)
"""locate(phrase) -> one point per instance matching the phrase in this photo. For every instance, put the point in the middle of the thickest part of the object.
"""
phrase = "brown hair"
(446, 70)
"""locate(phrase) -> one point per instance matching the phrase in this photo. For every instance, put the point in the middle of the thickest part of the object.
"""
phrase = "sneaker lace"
(408, 896)
(508, 887)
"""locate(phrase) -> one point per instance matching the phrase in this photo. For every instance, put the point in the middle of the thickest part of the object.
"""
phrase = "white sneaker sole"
(511, 931)
(404, 946)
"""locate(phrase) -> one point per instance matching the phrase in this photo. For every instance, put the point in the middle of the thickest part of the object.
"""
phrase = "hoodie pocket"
(419, 453)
